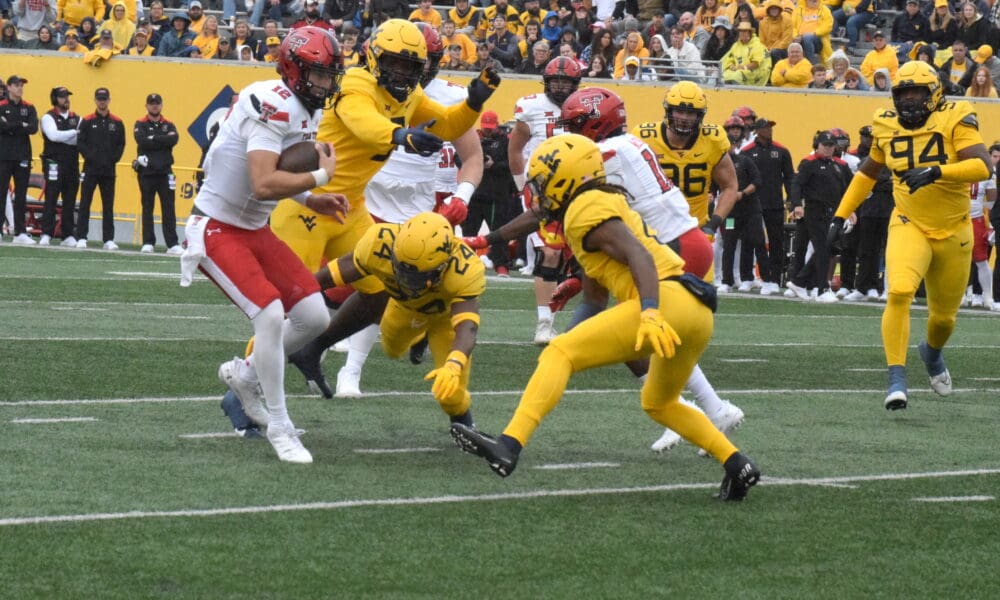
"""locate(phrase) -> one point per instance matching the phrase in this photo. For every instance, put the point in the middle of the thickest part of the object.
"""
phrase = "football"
(301, 157)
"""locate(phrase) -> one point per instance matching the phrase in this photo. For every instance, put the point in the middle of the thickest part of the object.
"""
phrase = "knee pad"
(546, 273)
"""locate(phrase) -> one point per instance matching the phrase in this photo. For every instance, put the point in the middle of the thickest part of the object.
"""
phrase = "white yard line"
(54, 420)
(572, 466)
(956, 499)
(529, 495)
(394, 450)
(202, 436)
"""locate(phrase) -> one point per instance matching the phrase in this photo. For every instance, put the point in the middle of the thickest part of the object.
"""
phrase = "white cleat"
(977, 301)
(81, 243)
(745, 287)
(872, 294)
(789, 293)
(895, 400)
(250, 395)
(175, 250)
(69, 242)
(766, 289)
(727, 418)
(827, 297)
(855, 296)
(668, 440)
(110, 245)
(146, 249)
(348, 384)
(544, 332)
(799, 291)
(44, 240)
(723, 289)
(284, 439)
(842, 292)
(23, 239)
(941, 383)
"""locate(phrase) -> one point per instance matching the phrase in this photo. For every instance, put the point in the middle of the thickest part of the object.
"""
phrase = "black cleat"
(419, 350)
(741, 475)
(502, 459)
(307, 361)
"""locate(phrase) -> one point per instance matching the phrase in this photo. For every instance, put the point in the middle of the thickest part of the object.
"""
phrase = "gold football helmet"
(396, 55)
(422, 251)
(559, 167)
(685, 96)
(913, 112)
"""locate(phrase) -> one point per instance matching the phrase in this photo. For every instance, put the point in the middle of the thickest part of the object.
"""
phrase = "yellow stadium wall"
(189, 87)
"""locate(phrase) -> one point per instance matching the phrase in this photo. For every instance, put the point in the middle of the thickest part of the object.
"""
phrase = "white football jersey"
(268, 117)
(977, 196)
(852, 161)
(540, 115)
(631, 164)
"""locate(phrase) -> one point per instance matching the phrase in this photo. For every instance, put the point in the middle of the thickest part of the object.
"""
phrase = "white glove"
(143, 160)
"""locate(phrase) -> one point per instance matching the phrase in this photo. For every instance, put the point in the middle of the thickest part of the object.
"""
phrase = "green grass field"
(108, 489)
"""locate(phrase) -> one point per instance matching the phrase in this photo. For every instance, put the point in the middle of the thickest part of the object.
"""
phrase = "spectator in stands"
(483, 58)
(721, 41)
(741, 12)
(450, 36)
(568, 51)
(245, 54)
(179, 37)
(633, 47)
(540, 55)
(208, 40)
(502, 44)
(312, 18)
(225, 50)
(705, 16)
(273, 49)
(532, 34)
(270, 30)
(853, 16)
(44, 41)
(658, 24)
(982, 84)
(104, 50)
(72, 43)
(819, 80)
(569, 37)
(18, 122)
(925, 52)
(881, 56)
(881, 82)
(581, 21)
(692, 33)
(88, 32)
(745, 225)
(426, 13)
(776, 30)
(453, 60)
(551, 29)
(353, 56)
(101, 142)
(813, 24)
(794, 71)
(599, 68)
(466, 18)
(242, 36)
(973, 29)
(8, 37)
(60, 166)
(338, 13)
(985, 57)
(854, 81)
(685, 56)
(140, 44)
(275, 10)
(748, 61)
(659, 62)
(31, 16)
(633, 71)
(908, 28)
(158, 19)
(943, 25)
(155, 138)
(197, 16)
(839, 64)
(118, 24)
(73, 12)
(531, 12)
(956, 72)
(500, 8)
(603, 44)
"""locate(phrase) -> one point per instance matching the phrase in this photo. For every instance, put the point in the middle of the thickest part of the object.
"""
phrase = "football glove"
(564, 293)
(454, 210)
(447, 377)
(832, 234)
(417, 140)
(919, 177)
(476, 243)
(712, 225)
(482, 87)
(654, 330)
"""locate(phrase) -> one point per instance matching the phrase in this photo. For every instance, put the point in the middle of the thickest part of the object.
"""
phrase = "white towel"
(194, 247)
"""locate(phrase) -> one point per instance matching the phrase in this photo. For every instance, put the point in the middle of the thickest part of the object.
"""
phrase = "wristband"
(458, 357)
(335, 275)
(494, 237)
(465, 191)
(465, 316)
(321, 177)
(649, 303)
(519, 181)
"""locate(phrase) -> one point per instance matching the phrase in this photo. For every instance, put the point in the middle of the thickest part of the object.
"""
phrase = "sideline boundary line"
(451, 499)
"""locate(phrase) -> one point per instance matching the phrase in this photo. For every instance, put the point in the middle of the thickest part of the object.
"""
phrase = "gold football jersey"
(689, 168)
(464, 279)
(941, 207)
(591, 209)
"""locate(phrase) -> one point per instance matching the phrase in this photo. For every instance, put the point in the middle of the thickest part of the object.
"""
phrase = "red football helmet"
(594, 112)
(842, 137)
(746, 113)
(733, 121)
(562, 78)
(435, 52)
(306, 51)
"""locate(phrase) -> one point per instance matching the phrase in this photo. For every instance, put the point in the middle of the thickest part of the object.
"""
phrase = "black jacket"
(497, 184)
(18, 122)
(156, 141)
(101, 143)
(746, 174)
(819, 184)
(774, 162)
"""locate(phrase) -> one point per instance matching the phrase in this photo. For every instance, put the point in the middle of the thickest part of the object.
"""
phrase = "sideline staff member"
(155, 138)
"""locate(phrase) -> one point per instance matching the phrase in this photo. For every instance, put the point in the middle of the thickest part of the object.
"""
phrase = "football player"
(620, 256)
(371, 117)
(228, 238)
(434, 282)
(535, 120)
(693, 154)
(934, 150)
(409, 184)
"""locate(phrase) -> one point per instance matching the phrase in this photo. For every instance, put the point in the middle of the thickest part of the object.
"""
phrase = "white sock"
(642, 378)
(269, 359)
(544, 313)
(306, 320)
(703, 391)
(985, 278)
(361, 345)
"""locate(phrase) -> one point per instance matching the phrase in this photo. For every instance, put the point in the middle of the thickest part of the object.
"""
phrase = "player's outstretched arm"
(339, 272)
(447, 378)
(269, 183)
(861, 185)
(522, 224)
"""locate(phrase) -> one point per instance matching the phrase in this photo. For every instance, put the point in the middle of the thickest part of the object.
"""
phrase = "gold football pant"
(318, 239)
(609, 338)
(943, 265)
(401, 327)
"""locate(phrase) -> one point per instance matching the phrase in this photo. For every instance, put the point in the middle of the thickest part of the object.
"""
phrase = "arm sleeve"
(364, 117)
(861, 186)
(261, 136)
(50, 131)
(452, 121)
